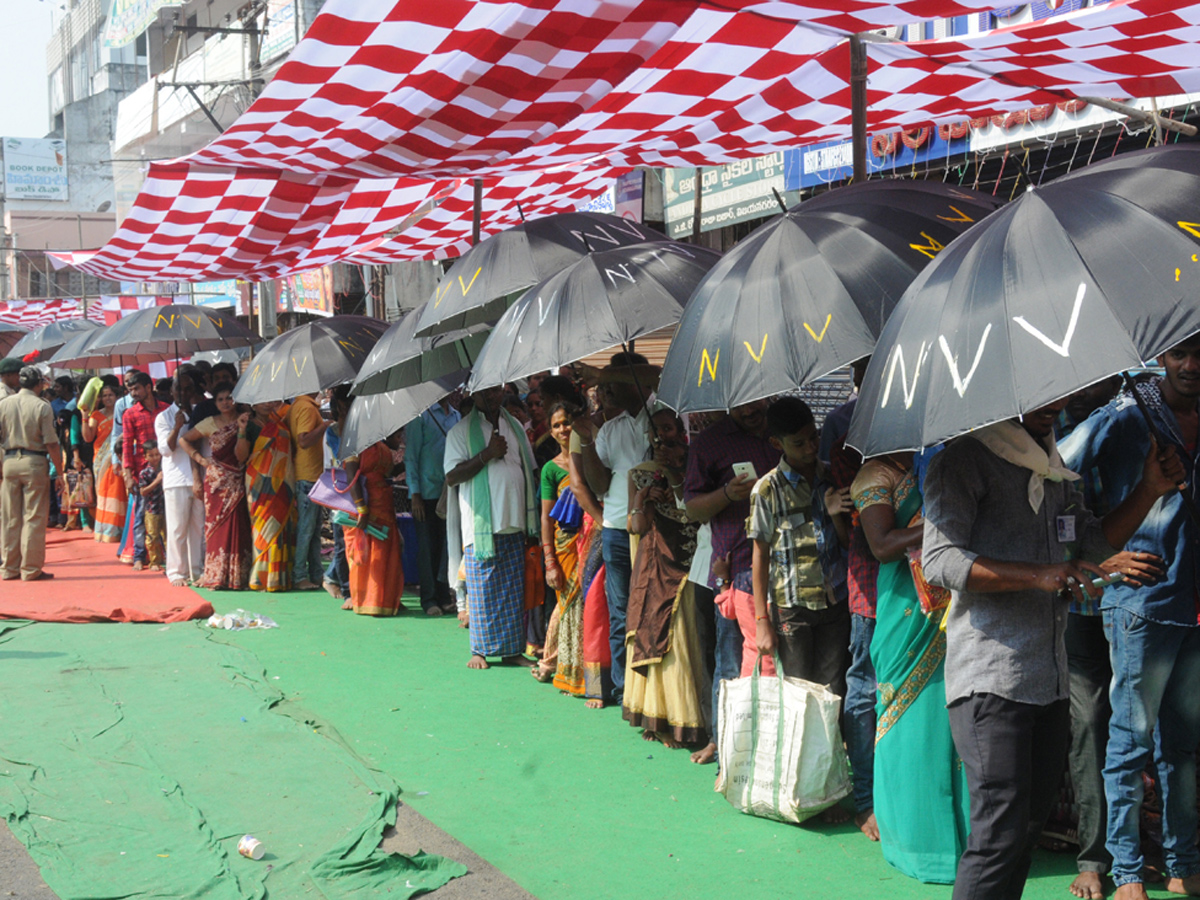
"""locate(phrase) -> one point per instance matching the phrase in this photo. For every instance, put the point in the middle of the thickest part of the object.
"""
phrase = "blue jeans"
(1156, 673)
(139, 528)
(729, 665)
(618, 568)
(307, 565)
(859, 714)
(338, 570)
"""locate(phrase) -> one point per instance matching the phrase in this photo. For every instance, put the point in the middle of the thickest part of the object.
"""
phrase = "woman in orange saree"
(110, 487)
(376, 567)
(265, 444)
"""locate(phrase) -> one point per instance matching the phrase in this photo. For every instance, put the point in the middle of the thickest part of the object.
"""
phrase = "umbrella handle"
(642, 394)
(1155, 433)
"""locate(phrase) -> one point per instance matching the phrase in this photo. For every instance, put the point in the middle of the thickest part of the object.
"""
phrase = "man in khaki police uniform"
(29, 442)
(10, 374)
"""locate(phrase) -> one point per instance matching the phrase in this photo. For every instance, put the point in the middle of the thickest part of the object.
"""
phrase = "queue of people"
(988, 611)
(962, 602)
(189, 485)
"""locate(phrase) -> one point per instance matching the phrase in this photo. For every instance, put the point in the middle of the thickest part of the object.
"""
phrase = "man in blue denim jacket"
(1153, 630)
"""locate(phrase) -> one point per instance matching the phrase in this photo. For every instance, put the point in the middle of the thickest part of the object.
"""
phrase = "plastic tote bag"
(780, 749)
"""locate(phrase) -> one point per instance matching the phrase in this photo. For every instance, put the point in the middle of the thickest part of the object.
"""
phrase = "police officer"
(10, 373)
(30, 443)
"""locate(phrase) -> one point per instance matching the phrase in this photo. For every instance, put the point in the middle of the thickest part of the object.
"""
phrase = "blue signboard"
(833, 161)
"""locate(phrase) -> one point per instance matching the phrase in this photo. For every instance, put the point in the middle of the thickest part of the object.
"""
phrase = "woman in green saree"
(921, 800)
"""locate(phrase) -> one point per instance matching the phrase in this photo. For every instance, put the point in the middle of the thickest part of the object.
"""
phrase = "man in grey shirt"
(1008, 533)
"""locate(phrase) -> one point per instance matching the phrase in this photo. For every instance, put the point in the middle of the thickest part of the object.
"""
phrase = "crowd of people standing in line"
(188, 484)
(947, 596)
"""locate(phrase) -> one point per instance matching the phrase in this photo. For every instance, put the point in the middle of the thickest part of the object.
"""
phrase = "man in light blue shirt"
(425, 449)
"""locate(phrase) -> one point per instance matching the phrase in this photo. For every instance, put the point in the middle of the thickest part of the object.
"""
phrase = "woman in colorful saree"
(265, 445)
(376, 566)
(111, 498)
(921, 801)
(664, 670)
(562, 662)
(227, 543)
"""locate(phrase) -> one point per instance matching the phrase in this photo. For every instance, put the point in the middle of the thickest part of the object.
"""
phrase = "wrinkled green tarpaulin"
(133, 758)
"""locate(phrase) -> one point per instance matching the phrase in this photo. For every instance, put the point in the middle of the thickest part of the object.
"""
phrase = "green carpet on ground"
(568, 802)
(133, 758)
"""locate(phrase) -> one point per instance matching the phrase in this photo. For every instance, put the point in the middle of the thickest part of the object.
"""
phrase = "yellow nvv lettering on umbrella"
(349, 344)
(277, 368)
(932, 249)
(1192, 228)
(1178, 272)
(757, 357)
(195, 323)
(709, 364)
(816, 337)
(441, 294)
(961, 217)
(303, 361)
(169, 321)
(466, 287)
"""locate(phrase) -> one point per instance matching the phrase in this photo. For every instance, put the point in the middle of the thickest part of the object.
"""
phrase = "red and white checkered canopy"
(413, 98)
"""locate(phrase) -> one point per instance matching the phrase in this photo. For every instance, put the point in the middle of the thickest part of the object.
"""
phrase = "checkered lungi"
(496, 598)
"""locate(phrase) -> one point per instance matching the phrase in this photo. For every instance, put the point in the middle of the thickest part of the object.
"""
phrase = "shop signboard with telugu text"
(732, 193)
(280, 30)
(35, 169)
(129, 18)
(218, 294)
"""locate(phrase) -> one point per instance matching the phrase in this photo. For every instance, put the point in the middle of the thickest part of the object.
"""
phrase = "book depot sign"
(35, 169)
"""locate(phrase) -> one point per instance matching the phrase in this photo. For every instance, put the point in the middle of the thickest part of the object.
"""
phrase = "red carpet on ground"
(89, 585)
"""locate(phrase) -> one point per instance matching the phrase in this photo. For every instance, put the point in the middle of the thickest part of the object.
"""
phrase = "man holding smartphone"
(1007, 530)
(715, 494)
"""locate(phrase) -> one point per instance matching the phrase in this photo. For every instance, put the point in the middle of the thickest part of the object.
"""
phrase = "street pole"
(858, 106)
(697, 203)
(477, 212)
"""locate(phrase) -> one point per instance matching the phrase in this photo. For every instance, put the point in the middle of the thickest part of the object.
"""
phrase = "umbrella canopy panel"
(482, 284)
(400, 359)
(176, 330)
(604, 300)
(9, 335)
(810, 291)
(310, 358)
(1068, 285)
(374, 417)
(46, 341)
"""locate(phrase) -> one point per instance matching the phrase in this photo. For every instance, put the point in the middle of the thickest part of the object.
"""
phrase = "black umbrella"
(1073, 282)
(401, 360)
(489, 276)
(309, 359)
(77, 353)
(46, 340)
(175, 331)
(604, 300)
(375, 416)
(9, 335)
(809, 291)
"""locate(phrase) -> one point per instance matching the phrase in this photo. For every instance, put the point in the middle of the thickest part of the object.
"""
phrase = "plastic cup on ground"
(251, 847)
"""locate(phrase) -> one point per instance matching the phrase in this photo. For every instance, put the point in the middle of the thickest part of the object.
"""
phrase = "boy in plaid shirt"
(796, 523)
(151, 481)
